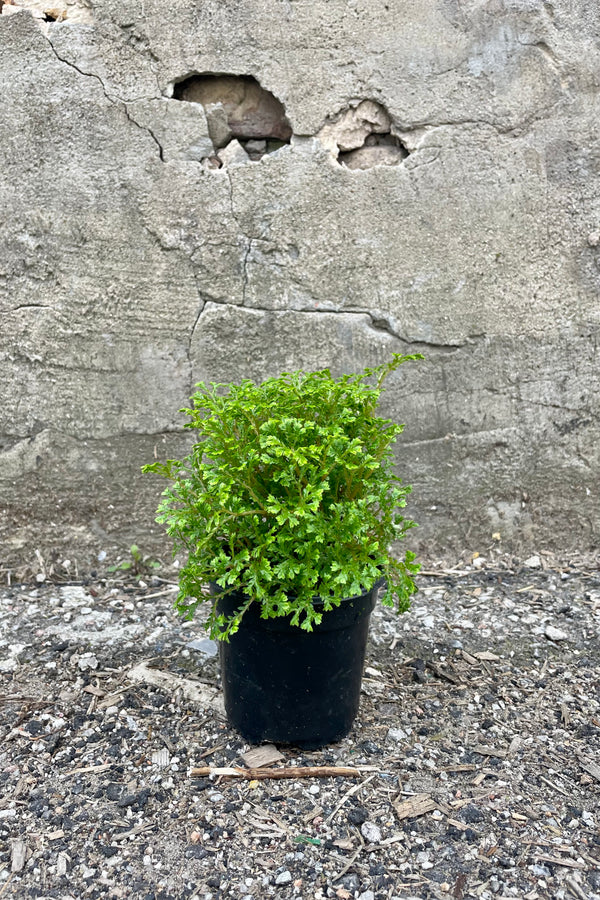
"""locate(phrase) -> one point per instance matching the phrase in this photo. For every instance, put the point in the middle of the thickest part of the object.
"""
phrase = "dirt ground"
(479, 731)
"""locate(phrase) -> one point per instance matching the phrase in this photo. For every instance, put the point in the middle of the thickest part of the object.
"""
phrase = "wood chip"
(589, 767)
(265, 755)
(124, 835)
(575, 889)
(444, 673)
(83, 769)
(514, 745)
(194, 692)
(487, 656)
(556, 861)
(415, 806)
(18, 856)
(96, 691)
(55, 835)
(489, 751)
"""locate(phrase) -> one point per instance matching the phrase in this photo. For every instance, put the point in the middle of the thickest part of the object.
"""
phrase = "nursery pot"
(290, 686)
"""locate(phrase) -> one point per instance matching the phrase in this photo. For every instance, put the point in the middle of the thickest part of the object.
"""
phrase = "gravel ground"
(480, 715)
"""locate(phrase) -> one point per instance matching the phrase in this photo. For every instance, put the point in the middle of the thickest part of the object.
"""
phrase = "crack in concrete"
(376, 322)
(380, 323)
(144, 128)
(247, 239)
(113, 100)
(30, 306)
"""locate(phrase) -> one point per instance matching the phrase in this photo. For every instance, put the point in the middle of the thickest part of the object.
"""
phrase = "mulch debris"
(479, 734)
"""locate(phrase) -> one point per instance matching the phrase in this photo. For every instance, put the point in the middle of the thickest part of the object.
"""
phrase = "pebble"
(397, 734)
(87, 661)
(205, 646)
(366, 895)
(284, 878)
(555, 634)
(357, 816)
(534, 562)
(371, 832)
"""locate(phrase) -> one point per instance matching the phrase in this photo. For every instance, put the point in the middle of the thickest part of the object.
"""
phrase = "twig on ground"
(283, 772)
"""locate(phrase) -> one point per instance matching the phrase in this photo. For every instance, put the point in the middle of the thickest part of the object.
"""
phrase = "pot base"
(289, 686)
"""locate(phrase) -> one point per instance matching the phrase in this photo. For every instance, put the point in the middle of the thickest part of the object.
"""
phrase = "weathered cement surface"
(132, 265)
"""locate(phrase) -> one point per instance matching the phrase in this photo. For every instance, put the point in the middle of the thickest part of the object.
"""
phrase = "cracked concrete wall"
(136, 261)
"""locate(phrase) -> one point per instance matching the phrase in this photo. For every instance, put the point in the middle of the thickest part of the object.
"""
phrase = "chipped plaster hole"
(362, 137)
(44, 11)
(245, 121)
(377, 150)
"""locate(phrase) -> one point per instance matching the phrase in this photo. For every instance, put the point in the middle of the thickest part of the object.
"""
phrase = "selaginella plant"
(288, 497)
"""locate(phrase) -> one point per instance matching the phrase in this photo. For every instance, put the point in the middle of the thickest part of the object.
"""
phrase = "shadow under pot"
(290, 686)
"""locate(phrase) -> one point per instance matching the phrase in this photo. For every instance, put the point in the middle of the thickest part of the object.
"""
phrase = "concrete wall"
(141, 253)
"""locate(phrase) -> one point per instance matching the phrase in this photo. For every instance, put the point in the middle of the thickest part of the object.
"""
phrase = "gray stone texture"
(134, 262)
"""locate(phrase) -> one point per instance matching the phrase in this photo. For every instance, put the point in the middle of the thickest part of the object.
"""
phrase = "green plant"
(288, 496)
(138, 562)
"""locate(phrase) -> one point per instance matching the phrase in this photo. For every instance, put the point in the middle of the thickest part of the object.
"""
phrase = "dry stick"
(352, 790)
(289, 772)
(574, 888)
(351, 863)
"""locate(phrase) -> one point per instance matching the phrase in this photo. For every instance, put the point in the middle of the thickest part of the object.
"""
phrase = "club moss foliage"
(289, 497)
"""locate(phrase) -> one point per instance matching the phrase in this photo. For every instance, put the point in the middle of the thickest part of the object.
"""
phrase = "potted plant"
(287, 506)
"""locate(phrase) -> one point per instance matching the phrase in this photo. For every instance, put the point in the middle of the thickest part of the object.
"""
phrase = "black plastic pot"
(289, 686)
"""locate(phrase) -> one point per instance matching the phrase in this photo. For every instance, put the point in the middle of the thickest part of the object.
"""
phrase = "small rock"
(284, 878)
(350, 882)
(357, 816)
(397, 734)
(555, 634)
(534, 562)
(428, 622)
(205, 646)
(371, 832)
(540, 871)
(423, 860)
(471, 814)
(255, 149)
(114, 790)
(87, 661)
(62, 864)
(366, 895)
(479, 562)
(233, 154)
(218, 126)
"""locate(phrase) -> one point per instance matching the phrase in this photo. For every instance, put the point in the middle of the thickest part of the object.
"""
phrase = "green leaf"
(288, 493)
